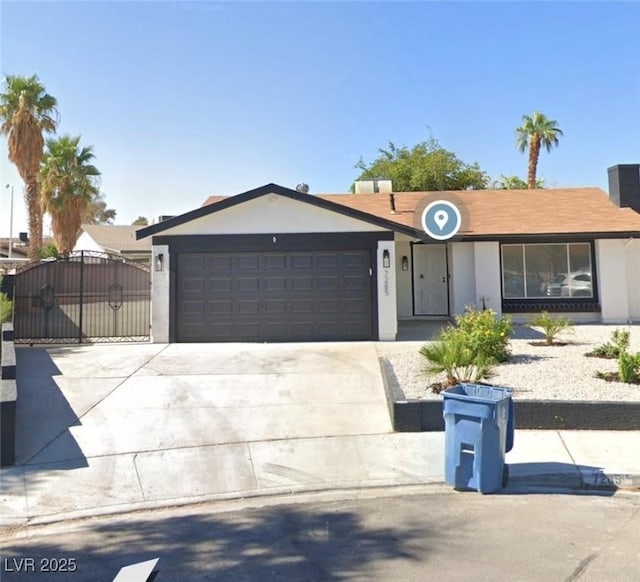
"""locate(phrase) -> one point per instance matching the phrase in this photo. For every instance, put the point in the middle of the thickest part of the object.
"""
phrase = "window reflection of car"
(570, 285)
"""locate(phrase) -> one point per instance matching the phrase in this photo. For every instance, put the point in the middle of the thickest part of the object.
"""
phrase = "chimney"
(374, 186)
(164, 217)
(624, 185)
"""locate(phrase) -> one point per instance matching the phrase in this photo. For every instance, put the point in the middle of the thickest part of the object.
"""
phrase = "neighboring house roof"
(116, 238)
(20, 250)
(488, 213)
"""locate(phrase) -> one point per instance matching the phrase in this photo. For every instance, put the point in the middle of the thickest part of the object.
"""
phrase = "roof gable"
(270, 189)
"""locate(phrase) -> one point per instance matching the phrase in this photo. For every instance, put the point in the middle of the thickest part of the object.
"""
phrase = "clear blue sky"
(183, 100)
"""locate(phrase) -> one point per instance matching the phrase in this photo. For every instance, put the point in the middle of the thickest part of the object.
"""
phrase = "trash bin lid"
(477, 392)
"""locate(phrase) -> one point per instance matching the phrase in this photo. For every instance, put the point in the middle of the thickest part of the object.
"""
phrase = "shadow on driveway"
(43, 413)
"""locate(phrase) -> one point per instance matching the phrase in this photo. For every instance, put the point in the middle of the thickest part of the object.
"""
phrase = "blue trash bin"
(479, 430)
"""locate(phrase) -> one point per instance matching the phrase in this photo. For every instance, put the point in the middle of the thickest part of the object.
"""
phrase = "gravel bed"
(532, 372)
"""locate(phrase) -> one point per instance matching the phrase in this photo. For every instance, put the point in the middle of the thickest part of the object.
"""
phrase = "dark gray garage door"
(274, 296)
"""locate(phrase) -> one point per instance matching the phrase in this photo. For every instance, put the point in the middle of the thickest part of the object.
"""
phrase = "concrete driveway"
(113, 427)
(93, 401)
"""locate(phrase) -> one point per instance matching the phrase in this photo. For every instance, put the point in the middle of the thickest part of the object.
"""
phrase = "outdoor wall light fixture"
(405, 263)
(159, 263)
(386, 259)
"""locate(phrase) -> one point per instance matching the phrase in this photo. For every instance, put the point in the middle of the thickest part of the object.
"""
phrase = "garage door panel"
(220, 284)
(275, 284)
(193, 308)
(275, 262)
(248, 284)
(193, 264)
(248, 262)
(274, 307)
(300, 307)
(328, 283)
(219, 262)
(301, 261)
(299, 284)
(220, 307)
(248, 307)
(274, 296)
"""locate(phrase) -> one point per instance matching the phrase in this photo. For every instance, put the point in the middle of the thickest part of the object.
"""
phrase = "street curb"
(574, 484)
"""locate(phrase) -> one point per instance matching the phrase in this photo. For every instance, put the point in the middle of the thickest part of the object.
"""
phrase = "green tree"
(140, 221)
(27, 111)
(69, 181)
(427, 166)
(536, 131)
(97, 211)
(514, 183)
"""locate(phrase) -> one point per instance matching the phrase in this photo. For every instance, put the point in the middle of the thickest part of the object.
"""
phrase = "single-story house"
(118, 240)
(275, 264)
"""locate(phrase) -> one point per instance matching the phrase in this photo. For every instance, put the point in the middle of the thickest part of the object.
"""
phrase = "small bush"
(6, 309)
(459, 358)
(48, 251)
(488, 333)
(629, 367)
(551, 326)
(612, 349)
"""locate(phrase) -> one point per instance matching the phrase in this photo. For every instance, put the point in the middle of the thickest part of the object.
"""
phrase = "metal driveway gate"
(85, 297)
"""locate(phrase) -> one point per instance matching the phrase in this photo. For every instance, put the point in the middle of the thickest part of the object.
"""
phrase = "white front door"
(430, 281)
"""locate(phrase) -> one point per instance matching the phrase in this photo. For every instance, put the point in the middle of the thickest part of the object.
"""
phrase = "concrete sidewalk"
(579, 462)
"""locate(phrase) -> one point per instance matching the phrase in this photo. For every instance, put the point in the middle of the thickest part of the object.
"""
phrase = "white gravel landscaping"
(533, 372)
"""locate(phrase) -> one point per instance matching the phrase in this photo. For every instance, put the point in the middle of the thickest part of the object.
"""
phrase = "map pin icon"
(441, 218)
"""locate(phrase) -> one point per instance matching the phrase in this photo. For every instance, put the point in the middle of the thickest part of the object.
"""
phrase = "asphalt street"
(404, 533)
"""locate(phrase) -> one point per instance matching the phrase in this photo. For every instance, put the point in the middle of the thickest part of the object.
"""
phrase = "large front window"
(537, 271)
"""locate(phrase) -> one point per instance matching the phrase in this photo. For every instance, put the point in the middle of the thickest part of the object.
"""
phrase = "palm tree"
(68, 184)
(27, 111)
(536, 130)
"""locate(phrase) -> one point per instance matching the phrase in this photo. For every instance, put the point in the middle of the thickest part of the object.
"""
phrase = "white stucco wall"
(632, 255)
(387, 312)
(86, 243)
(272, 213)
(612, 280)
(404, 279)
(160, 296)
(487, 275)
(462, 281)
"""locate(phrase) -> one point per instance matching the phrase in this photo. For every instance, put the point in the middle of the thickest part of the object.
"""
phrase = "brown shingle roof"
(117, 238)
(506, 212)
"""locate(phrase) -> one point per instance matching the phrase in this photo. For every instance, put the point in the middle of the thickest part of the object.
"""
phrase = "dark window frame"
(524, 305)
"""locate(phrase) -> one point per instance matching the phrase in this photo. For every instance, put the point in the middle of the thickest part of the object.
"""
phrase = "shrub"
(488, 333)
(48, 251)
(612, 349)
(551, 326)
(459, 358)
(629, 367)
(5, 307)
